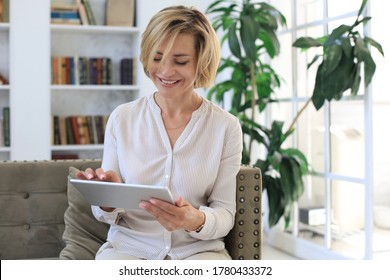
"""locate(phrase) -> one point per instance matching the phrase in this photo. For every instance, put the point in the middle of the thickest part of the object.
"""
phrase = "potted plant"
(250, 29)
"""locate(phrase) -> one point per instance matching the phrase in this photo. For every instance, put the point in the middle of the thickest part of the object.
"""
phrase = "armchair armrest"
(245, 239)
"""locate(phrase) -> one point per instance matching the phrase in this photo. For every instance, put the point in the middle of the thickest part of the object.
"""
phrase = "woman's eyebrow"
(175, 55)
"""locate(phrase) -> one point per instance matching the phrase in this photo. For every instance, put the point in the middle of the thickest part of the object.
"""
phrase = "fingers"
(99, 175)
(180, 215)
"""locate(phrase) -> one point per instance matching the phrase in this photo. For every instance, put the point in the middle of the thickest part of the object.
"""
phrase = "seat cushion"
(83, 234)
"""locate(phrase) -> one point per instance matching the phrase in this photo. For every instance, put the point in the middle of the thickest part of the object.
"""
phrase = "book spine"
(6, 127)
(82, 13)
(55, 131)
(88, 9)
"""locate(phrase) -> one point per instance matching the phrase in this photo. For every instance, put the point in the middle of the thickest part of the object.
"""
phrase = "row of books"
(5, 139)
(78, 129)
(75, 70)
(79, 13)
(81, 70)
(85, 12)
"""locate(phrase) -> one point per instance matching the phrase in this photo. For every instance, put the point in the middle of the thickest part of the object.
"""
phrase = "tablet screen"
(119, 195)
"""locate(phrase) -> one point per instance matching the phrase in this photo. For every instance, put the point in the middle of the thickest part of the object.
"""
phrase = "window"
(348, 199)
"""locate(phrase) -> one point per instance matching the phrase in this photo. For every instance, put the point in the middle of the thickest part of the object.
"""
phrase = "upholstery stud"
(240, 245)
(25, 195)
(242, 176)
(26, 226)
(241, 211)
(241, 234)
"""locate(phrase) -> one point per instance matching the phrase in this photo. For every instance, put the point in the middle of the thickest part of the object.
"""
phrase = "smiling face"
(174, 74)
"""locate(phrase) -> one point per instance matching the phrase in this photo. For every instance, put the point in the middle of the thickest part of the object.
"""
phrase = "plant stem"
(253, 104)
(289, 130)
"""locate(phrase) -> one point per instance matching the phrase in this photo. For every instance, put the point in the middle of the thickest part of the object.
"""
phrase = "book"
(58, 156)
(4, 10)
(62, 130)
(82, 13)
(64, 14)
(88, 9)
(1, 133)
(6, 127)
(126, 71)
(55, 131)
(120, 12)
(1, 10)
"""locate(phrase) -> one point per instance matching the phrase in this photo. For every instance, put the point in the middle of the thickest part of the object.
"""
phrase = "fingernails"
(142, 205)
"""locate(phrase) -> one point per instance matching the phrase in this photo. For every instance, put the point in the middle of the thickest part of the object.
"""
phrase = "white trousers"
(107, 252)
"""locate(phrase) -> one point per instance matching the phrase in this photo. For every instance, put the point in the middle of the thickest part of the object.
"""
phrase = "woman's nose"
(166, 68)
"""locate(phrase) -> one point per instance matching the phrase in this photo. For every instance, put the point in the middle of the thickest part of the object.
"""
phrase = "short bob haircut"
(170, 22)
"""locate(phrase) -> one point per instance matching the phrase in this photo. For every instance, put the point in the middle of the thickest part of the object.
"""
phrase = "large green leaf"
(300, 158)
(249, 32)
(363, 55)
(337, 34)
(291, 178)
(332, 58)
(234, 44)
(362, 6)
(375, 44)
(307, 42)
(275, 196)
(318, 98)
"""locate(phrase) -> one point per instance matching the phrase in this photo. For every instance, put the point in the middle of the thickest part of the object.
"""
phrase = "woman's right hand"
(99, 175)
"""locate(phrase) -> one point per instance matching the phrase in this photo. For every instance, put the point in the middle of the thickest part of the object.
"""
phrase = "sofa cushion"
(83, 234)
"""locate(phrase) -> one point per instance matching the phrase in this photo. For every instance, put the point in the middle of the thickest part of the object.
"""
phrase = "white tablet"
(119, 195)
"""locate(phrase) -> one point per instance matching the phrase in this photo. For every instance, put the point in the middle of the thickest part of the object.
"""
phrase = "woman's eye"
(181, 62)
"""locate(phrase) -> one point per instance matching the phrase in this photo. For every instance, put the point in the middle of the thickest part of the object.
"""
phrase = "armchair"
(45, 217)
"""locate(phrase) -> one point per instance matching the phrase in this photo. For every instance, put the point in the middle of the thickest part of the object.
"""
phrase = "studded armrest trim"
(244, 242)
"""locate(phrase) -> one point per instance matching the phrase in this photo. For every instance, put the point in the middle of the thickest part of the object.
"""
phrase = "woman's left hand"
(181, 215)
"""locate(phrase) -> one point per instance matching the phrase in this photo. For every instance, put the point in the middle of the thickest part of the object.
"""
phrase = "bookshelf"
(26, 46)
(91, 41)
(25, 55)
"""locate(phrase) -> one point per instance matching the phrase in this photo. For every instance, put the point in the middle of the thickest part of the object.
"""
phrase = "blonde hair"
(170, 22)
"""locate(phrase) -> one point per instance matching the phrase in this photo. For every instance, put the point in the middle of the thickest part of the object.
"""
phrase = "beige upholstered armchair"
(45, 217)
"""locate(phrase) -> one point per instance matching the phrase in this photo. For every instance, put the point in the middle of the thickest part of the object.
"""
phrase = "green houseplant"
(344, 53)
(250, 28)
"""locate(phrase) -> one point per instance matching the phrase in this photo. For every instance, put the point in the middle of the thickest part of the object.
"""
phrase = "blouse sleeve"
(221, 209)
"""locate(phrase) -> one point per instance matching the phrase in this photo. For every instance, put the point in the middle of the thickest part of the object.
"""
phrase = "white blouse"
(201, 167)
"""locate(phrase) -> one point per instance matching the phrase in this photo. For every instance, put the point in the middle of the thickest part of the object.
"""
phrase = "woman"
(173, 137)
